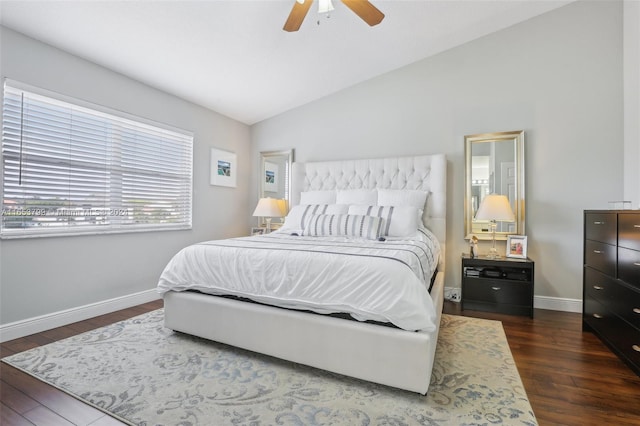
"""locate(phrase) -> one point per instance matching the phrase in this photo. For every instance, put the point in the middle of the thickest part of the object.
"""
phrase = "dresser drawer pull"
(636, 348)
(636, 226)
(598, 251)
(598, 223)
(597, 316)
(636, 310)
(597, 287)
(636, 263)
(495, 288)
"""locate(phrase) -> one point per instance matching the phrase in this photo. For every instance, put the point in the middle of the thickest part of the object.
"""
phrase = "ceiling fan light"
(324, 6)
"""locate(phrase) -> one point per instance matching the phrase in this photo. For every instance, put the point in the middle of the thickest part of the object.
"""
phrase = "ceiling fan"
(365, 10)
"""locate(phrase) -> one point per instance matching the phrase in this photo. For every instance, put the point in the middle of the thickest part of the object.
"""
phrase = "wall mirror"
(494, 165)
(275, 175)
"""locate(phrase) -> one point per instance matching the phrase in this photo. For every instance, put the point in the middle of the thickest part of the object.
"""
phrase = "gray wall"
(557, 76)
(45, 275)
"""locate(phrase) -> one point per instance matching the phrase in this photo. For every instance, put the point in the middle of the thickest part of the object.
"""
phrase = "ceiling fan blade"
(297, 14)
(365, 10)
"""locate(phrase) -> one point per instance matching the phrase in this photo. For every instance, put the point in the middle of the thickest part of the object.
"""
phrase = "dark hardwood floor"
(571, 378)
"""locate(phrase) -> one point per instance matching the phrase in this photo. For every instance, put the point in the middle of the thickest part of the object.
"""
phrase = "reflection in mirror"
(275, 175)
(494, 165)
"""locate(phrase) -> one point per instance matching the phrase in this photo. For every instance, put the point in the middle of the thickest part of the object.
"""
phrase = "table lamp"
(268, 208)
(495, 208)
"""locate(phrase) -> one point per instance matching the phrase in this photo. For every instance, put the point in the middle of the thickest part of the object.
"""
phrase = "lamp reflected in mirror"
(495, 208)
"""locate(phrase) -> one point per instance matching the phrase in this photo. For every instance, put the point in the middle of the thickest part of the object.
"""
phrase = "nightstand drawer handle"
(598, 251)
(597, 287)
(597, 316)
(598, 223)
(636, 226)
(636, 348)
(495, 288)
(636, 263)
(636, 310)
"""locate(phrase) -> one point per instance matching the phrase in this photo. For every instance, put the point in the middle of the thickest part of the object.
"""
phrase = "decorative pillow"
(399, 221)
(347, 225)
(367, 197)
(403, 197)
(318, 197)
(300, 215)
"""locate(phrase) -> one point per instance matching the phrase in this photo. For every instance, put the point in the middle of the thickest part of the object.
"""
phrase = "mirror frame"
(265, 156)
(517, 137)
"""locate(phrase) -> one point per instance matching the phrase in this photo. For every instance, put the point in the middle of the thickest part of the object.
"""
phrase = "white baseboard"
(557, 304)
(539, 302)
(29, 326)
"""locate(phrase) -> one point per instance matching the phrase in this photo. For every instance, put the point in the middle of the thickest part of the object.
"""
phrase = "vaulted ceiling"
(233, 56)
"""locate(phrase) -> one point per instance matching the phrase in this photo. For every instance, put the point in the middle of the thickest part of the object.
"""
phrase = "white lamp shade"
(495, 207)
(268, 207)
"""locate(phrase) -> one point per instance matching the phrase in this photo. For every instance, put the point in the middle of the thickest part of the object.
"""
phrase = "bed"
(339, 286)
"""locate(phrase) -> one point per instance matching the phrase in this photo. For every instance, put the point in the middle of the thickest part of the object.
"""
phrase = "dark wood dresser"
(611, 279)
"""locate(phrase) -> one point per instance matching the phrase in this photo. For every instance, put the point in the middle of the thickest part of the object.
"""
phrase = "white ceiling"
(233, 56)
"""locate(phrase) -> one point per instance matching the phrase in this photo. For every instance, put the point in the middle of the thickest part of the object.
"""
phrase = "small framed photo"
(257, 231)
(223, 168)
(517, 246)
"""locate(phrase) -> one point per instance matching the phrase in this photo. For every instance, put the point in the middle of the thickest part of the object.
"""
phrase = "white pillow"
(346, 225)
(399, 221)
(368, 197)
(318, 197)
(300, 215)
(403, 197)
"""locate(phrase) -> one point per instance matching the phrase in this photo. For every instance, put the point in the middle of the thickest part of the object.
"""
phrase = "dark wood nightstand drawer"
(498, 285)
(629, 231)
(601, 227)
(498, 291)
(629, 266)
(600, 256)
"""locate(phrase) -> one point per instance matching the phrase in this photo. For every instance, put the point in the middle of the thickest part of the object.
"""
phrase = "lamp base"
(493, 252)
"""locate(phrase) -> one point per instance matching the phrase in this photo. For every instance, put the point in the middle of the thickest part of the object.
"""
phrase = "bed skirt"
(380, 354)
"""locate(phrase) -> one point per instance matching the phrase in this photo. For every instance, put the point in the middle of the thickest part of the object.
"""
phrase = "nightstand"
(502, 285)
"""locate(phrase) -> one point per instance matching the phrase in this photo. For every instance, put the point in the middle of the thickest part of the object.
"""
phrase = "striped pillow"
(399, 221)
(300, 215)
(346, 225)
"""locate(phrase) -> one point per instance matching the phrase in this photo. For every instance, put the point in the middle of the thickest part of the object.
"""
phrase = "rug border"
(130, 423)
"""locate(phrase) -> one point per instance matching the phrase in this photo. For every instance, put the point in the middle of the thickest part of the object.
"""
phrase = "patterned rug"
(144, 374)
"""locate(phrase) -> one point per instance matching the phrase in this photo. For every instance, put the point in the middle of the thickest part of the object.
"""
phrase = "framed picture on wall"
(517, 246)
(271, 172)
(223, 168)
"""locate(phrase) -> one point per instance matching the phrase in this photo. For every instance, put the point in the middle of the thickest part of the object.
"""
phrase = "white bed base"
(380, 354)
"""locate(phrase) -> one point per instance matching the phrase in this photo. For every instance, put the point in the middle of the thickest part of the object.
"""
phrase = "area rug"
(144, 374)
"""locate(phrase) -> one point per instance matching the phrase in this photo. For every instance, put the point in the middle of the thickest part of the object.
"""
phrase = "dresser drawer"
(626, 304)
(629, 231)
(601, 227)
(600, 256)
(629, 266)
(599, 286)
(620, 336)
(499, 291)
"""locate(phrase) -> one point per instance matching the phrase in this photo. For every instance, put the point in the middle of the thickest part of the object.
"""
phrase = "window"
(74, 168)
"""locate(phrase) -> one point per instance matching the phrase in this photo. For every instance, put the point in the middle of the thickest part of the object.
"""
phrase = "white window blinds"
(70, 167)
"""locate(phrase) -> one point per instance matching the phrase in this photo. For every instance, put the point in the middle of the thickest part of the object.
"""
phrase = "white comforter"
(381, 281)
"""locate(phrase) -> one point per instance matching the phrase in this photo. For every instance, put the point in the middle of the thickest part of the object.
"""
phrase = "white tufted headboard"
(425, 172)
